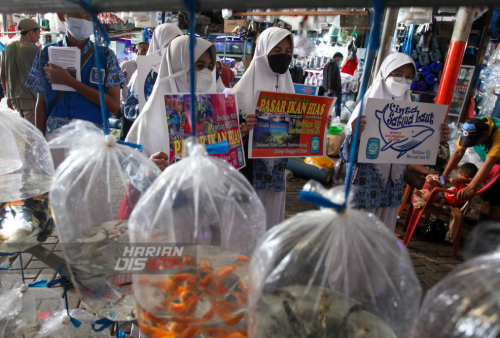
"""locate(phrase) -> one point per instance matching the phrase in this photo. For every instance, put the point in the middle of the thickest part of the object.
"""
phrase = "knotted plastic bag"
(22, 307)
(323, 272)
(203, 206)
(58, 325)
(94, 192)
(26, 168)
(464, 303)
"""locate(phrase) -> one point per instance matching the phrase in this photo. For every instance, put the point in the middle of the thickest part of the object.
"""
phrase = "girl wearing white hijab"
(267, 72)
(162, 37)
(151, 127)
(380, 186)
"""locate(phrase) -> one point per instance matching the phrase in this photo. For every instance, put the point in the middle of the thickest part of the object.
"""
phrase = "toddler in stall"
(465, 173)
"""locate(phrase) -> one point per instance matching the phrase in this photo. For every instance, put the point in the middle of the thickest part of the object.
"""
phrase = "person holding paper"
(380, 186)
(57, 108)
(151, 127)
(162, 37)
(268, 71)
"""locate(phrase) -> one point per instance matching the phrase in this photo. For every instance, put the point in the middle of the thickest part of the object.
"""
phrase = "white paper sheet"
(69, 59)
(147, 70)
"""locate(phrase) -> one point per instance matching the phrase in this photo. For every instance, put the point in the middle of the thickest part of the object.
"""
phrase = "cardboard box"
(230, 25)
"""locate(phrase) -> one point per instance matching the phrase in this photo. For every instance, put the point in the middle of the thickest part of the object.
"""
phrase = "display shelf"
(64, 6)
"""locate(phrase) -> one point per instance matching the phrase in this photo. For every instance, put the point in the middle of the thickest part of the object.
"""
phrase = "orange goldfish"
(190, 305)
(235, 320)
(191, 287)
(166, 285)
(182, 277)
(177, 328)
(186, 320)
(242, 259)
(207, 281)
(220, 288)
(225, 271)
(225, 305)
(177, 308)
(221, 312)
(235, 335)
(207, 292)
(184, 296)
(166, 302)
(204, 266)
(209, 314)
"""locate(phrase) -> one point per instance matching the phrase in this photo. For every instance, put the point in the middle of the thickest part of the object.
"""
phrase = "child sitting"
(466, 173)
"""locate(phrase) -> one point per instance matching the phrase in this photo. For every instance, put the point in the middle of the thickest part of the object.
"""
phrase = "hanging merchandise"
(465, 302)
(209, 210)
(416, 15)
(304, 46)
(58, 325)
(227, 13)
(94, 192)
(342, 37)
(22, 307)
(26, 172)
(325, 271)
(335, 28)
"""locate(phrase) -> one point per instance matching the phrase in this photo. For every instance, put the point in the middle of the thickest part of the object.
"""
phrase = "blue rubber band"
(131, 145)
(104, 324)
(218, 148)
(76, 323)
(119, 334)
(319, 200)
(42, 283)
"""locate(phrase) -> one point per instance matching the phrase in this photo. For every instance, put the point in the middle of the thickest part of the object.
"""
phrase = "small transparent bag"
(26, 173)
(208, 208)
(464, 303)
(23, 306)
(94, 192)
(58, 325)
(322, 272)
(26, 168)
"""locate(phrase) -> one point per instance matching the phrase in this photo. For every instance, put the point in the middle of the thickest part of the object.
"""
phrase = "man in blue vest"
(55, 108)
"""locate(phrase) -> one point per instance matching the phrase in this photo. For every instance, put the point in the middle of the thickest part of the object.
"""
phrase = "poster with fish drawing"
(401, 132)
(147, 71)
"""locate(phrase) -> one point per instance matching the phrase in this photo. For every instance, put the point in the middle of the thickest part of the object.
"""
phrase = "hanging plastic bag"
(322, 271)
(21, 308)
(208, 208)
(26, 172)
(94, 192)
(26, 167)
(9, 281)
(484, 239)
(464, 303)
(58, 325)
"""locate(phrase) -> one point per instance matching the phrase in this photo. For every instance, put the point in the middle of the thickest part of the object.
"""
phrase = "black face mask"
(279, 62)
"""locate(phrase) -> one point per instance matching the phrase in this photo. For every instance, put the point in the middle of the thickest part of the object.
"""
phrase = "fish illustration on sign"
(151, 80)
(414, 134)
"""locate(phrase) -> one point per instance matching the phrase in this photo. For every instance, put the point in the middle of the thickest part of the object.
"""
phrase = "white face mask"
(204, 79)
(396, 88)
(80, 29)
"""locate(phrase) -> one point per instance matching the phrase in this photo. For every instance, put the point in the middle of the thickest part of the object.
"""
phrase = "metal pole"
(390, 22)
(4, 22)
(455, 55)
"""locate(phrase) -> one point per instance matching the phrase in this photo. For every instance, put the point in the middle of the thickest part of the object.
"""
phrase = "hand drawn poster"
(401, 132)
(216, 121)
(289, 125)
(147, 72)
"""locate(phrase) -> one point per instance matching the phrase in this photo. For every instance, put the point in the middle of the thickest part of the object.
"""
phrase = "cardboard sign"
(289, 125)
(147, 72)
(230, 25)
(401, 132)
(305, 90)
(216, 120)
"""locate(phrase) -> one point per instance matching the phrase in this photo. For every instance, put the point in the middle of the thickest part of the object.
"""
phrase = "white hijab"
(259, 75)
(378, 90)
(162, 35)
(151, 128)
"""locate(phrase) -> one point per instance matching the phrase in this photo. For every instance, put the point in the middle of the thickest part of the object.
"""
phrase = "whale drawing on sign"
(414, 135)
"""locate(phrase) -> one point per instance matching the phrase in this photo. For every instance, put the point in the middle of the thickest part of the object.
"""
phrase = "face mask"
(396, 88)
(279, 62)
(80, 29)
(203, 80)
